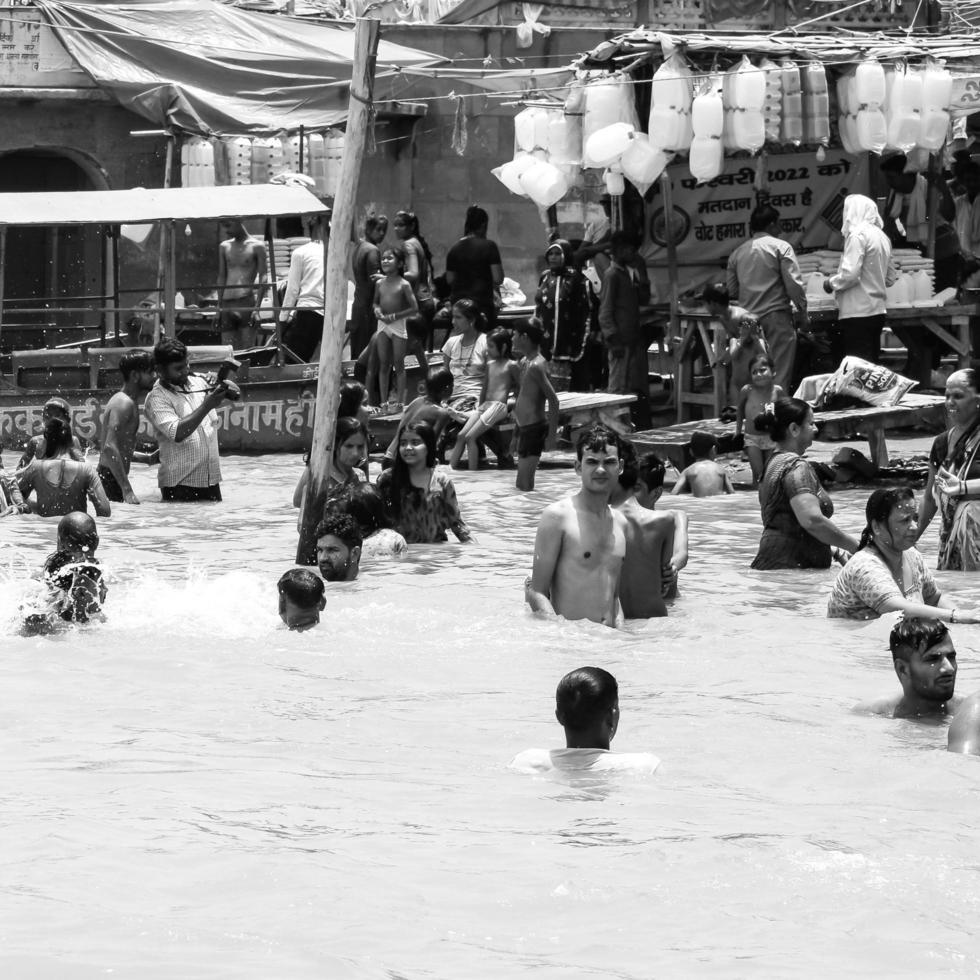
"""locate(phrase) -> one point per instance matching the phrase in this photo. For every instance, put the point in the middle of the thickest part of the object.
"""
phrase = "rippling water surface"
(191, 791)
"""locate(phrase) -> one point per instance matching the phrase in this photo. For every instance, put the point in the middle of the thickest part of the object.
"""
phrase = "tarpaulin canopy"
(141, 205)
(209, 68)
(469, 9)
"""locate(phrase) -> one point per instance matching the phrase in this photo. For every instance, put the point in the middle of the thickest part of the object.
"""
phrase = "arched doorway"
(63, 264)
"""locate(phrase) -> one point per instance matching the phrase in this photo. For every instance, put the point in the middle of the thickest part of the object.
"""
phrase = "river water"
(191, 791)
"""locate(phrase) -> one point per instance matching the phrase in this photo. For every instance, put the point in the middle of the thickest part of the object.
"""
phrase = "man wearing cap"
(181, 409)
(764, 276)
(54, 408)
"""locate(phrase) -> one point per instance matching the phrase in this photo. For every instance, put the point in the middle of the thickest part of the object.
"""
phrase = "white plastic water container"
(509, 173)
(791, 123)
(317, 167)
(238, 154)
(607, 145)
(615, 183)
(565, 139)
(921, 286)
(669, 128)
(933, 129)
(262, 160)
(904, 98)
(773, 108)
(708, 114)
(749, 129)
(937, 87)
(289, 154)
(607, 101)
(524, 130)
(707, 158)
(294, 154)
(871, 130)
(333, 148)
(749, 89)
(544, 183)
(197, 163)
(847, 125)
(816, 104)
(869, 83)
(900, 292)
(643, 162)
(671, 97)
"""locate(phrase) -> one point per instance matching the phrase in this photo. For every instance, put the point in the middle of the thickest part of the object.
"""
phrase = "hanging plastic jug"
(544, 183)
(318, 162)
(707, 158)
(904, 96)
(239, 155)
(773, 108)
(791, 123)
(607, 101)
(607, 145)
(509, 173)
(565, 139)
(333, 145)
(643, 163)
(671, 96)
(816, 104)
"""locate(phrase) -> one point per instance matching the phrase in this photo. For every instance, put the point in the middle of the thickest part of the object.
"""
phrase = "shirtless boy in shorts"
(704, 477)
(581, 541)
(242, 265)
(535, 432)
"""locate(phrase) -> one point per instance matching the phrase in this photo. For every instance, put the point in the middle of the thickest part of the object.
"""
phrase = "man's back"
(529, 407)
(120, 423)
(649, 545)
(706, 478)
(757, 274)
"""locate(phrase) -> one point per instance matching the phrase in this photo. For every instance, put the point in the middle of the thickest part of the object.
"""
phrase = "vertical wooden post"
(667, 196)
(335, 284)
(168, 169)
(3, 266)
(170, 280)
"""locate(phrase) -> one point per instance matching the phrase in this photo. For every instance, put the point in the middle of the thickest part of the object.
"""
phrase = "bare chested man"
(581, 541)
(242, 265)
(121, 422)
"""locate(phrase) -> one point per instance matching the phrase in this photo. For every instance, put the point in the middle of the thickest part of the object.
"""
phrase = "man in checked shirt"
(181, 409)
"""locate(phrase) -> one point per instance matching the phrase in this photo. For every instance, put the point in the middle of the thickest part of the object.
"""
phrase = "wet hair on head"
(340, 526)
(629, 473)
(476, 219)
(135, 360)
(351, 399)
(702, 443)
(301, 587)
(502, 340)
(766, 358)
(399, 482)
(375, 222)
(347, 426)
(716, 292)
(584, 696)
(786, 412)
(909, 635)
(879, 507)
(438, 381)
(57, 437)
(532, 328)
(595, 439)
(469, 309)
(652, 471)
(169, 350)
(364, 503)
(78, 528)
(763, 217)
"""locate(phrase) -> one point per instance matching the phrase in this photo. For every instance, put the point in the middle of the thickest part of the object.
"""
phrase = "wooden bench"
(927, 411)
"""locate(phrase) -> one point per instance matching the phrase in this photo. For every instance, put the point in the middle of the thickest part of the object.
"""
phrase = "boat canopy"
(141, 206)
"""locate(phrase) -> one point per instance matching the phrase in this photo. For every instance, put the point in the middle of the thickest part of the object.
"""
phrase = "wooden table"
(671, 442)
(715, 339)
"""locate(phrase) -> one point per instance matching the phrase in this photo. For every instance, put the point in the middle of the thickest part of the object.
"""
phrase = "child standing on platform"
(394, 303)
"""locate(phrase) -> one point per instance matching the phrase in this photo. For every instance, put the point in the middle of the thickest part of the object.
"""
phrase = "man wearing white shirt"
(302, 305)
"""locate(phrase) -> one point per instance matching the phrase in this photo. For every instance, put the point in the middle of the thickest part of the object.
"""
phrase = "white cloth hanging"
(530, 27)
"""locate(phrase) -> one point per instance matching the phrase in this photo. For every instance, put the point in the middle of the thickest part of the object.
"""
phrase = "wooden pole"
(667, 195)
(162, 256)
(335, 285)
(3, 265)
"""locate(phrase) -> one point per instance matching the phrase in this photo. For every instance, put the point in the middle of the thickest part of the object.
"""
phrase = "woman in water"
(350, 448)
(886, 573)
(865, 269)
(796, 510)
(59, 482)
(953, 485)
(421, 499)
(418, 272)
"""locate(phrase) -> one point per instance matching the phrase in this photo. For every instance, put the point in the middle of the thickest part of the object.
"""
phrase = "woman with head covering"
(865, 270)
(562, 305)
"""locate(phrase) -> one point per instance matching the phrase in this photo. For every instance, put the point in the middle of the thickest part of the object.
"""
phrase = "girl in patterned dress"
(421, 498)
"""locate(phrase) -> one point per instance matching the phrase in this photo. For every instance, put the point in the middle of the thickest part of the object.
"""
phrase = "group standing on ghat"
(606, 553)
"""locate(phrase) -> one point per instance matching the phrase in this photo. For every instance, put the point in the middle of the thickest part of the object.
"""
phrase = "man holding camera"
(181, 409)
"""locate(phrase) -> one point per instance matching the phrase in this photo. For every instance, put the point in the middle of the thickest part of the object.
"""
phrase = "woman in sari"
(953, 485)
(796, 510)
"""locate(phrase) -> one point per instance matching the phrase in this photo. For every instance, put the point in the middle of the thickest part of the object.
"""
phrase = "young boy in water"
(656, 541)
(704, 477)
(301, 599)
(587, 707)
(11, 499)
(76, 590)
(535, 431)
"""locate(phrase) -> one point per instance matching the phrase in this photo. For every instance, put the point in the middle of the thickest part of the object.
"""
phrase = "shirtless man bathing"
(581, 541)
(242, 266)
(120, 424)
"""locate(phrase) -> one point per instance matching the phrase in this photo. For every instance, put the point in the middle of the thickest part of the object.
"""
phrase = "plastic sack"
(669, 124)
(544, 183)
(643, 163)
(791, 121)
(607, 101)
(870, 384)
(509, 173)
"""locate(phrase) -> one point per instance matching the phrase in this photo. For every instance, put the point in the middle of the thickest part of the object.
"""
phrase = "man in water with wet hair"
(338, 548)
(581, 541)
(587, 707)
(120, 423)
(301, 599)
